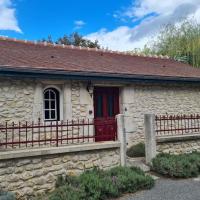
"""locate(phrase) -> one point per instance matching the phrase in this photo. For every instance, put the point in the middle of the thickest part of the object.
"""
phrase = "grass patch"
(137, 150)
(100, 185)
(178, 166)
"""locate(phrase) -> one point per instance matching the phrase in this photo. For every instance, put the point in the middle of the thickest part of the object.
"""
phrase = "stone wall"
(16, 99)
(82, 102)
(21, 99)
(36, 175)
(160, 99)
(179, 147)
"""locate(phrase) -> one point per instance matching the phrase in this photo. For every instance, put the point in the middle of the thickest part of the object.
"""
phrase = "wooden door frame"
(106, 89)
(106, 121)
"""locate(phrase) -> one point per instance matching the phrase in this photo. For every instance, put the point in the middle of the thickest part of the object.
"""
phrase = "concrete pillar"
(122, 138)
(150, 137)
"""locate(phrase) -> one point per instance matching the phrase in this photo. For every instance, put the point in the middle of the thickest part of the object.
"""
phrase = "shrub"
(6, 196)
(180, 166)
(99, 185)
(131, 179)
(71, 180)
(67, 192)
(137, 150)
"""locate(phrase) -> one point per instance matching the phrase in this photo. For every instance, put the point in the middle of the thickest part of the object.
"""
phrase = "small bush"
(6, 196)
(137, 150)
(99, 185)
(67, 192)
(180, 166)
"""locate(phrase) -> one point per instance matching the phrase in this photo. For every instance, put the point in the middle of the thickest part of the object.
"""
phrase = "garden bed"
(177, 166)
(100, 185)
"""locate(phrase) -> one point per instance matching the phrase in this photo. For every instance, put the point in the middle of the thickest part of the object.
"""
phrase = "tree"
(181, 42)
(73, 39)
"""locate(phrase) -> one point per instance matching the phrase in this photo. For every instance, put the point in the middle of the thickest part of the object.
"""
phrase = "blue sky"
(39, 18)
(118, 25)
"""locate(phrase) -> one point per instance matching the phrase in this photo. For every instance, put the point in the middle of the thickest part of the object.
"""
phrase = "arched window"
(51, 104)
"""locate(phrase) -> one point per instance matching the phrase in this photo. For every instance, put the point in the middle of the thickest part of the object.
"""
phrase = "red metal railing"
(169, 125)
(58, 133)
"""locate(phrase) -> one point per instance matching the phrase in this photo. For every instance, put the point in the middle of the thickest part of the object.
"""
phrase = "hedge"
(179, 166)
(100, 185)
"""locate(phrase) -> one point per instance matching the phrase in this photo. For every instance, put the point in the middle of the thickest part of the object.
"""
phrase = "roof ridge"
(82, 48)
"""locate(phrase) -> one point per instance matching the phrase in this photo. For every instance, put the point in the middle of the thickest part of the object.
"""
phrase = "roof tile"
(31, 55)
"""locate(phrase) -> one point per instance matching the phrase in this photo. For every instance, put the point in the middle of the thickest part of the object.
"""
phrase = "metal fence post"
(122, 138)
(150, 137)
(57, 133)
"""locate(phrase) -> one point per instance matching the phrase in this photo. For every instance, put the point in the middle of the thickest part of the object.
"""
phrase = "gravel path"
(166, 189)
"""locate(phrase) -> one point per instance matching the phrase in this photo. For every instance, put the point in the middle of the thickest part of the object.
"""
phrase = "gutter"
(61, 74)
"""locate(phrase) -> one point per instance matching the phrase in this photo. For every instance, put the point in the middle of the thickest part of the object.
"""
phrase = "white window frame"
(51, 89)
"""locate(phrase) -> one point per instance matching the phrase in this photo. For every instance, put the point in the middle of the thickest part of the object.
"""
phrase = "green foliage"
(181, 42)
(180, 166)
(6, 196)
(99, 185)
(67, 192)
(73, 39)
(137, 150)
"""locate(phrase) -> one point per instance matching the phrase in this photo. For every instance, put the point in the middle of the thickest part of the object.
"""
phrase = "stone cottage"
(58, 82)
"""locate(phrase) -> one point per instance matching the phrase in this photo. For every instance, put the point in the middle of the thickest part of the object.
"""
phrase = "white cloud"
(140, 8)
(8, 19)
(79, 24)
(154, 14)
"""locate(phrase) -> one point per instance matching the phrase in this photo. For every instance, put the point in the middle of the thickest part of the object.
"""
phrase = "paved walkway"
(166, 189)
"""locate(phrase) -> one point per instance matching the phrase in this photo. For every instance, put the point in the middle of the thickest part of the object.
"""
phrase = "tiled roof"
(41, 56)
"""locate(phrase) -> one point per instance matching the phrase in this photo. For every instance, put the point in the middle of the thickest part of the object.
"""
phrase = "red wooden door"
(106, 107)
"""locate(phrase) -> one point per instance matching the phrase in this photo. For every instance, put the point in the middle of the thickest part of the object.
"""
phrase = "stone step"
(138, 162)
